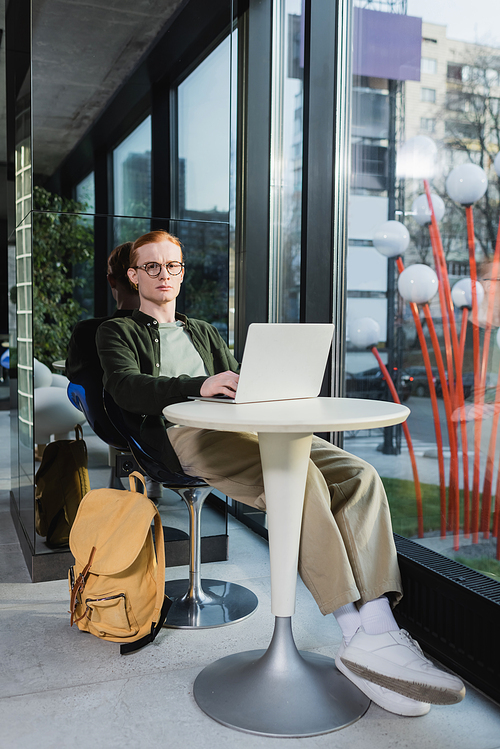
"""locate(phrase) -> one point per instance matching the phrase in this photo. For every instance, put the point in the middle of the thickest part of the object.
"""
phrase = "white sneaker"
(395, 661)
(386, 698)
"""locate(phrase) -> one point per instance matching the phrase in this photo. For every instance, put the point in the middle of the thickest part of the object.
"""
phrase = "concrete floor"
(61, 688)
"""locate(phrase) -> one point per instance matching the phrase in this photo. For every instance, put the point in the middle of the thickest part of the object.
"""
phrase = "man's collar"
(145, 319)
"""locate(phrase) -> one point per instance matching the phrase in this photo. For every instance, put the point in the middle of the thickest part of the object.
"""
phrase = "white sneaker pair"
(395, 662)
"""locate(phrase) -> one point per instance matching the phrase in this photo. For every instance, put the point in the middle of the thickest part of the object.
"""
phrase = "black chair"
(88, 399)
(197, 603)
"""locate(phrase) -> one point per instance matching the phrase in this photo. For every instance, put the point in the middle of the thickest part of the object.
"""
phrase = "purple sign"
(386, 45)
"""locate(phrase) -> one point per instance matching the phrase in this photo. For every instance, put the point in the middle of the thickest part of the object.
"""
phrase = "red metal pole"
(490, 464)
(488, 477)
(454, 488)
(394, 393)
(496, 517)
(477, 375)
(445, 290)
(463, 332)
(463, 424)
(434, 403)
(495, 269)
(448, 316)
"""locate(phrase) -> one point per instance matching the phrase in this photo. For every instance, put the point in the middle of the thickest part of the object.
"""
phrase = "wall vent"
(454, 612)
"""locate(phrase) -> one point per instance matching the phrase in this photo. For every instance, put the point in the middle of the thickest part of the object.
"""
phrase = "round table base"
(219, 603)
(279, 691)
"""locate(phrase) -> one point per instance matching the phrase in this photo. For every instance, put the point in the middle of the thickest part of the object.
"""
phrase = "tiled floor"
(61, 688)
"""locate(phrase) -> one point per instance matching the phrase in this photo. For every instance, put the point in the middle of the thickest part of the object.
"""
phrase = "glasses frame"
(162, 265)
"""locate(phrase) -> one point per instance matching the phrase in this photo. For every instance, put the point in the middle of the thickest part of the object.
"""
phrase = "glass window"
(85, 193)
(455, 101)
(83, 293)
(454, 72)
(428, 94)
(286, 160)
(428, 124)
(451, 501)
(132, 183)
(428, 65)
(203, 188)
(203, 142)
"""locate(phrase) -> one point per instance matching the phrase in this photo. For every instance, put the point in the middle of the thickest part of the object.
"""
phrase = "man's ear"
(132, 274)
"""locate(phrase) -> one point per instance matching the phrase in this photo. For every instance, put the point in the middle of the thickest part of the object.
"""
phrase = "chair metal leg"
(197, 603)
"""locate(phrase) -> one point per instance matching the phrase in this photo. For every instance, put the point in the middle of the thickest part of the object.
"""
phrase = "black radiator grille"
(454, 612)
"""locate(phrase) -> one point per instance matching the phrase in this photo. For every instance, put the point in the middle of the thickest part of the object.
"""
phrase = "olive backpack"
(117, 584)
(61, 482)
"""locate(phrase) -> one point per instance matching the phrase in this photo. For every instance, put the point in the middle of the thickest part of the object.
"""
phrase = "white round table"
(281, 692)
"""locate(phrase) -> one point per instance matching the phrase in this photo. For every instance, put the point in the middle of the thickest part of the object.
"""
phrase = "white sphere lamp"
(418, 283)
(391, 238)
(461, 293)
(422, 212)
(417, 158)
(496, 164)
(364, 332)
(466, 183)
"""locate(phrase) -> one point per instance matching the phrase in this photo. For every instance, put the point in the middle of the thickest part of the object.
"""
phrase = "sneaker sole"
(414, 689)
(414, 711)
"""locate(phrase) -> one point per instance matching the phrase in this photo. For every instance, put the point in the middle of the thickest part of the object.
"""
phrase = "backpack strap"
(79, 586)
(162, 603)
(133, 485)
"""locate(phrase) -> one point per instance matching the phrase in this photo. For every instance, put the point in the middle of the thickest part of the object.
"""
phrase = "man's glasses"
(154, 269)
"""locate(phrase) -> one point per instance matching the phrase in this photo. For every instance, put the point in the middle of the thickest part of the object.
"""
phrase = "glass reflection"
(419, 119)
(132, 183)
(75, 83)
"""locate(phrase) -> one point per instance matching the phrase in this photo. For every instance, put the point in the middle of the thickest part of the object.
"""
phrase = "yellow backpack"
(117, 584)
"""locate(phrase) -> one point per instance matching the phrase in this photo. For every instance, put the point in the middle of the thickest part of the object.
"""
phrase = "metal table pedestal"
(279, 691)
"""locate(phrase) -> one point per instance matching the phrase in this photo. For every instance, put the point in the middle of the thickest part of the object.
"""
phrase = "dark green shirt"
(129, 351)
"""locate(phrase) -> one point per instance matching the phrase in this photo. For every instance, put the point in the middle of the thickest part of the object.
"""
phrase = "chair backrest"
(142, 453)
(88, 399)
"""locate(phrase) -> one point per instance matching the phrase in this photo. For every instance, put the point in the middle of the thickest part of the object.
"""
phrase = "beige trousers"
(347, 551)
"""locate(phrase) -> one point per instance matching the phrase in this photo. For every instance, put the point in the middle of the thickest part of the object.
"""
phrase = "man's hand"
(224, 383)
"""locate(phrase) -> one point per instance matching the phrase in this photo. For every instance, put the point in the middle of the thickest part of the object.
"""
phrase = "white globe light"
(391, 239)
(417, 158)
(461, 293)
(418, 283)
(364, 332)
(466, 183)
(496, 164)
(422, 212)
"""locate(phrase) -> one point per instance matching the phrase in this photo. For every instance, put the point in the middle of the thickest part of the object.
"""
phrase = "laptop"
(282, 361)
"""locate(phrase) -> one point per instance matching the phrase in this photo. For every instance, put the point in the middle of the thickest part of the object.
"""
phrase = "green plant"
(60, 241)
(401, 497)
